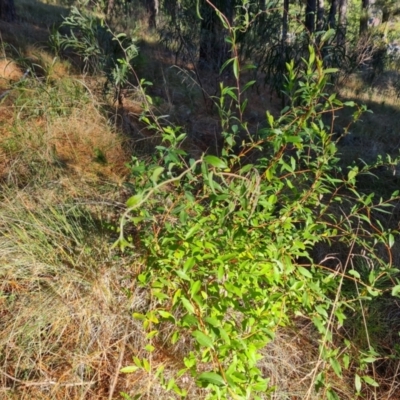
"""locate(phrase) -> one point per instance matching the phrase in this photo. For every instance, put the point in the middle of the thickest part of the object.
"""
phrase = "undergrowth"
(228, 245)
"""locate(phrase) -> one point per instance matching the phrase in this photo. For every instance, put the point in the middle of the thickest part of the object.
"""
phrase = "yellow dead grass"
(9, 71)
(83, 137)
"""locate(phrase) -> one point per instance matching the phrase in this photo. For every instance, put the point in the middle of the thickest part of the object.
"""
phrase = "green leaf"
(354, 273)
(212, 377)
(336, 366)
(151, 334)
(165, 314)
(156, 174)
(129, 369)
(134, 200)
(150, 348)
(369, 359)
(215, 162)
(346, 361)
(331, 395)
(225, 64)
(236, 68)
(327, 35)
(195, 287)
(175, 337)
(192, 231)
(225, 336)
(270, 119)
(331, 70)
(198, 9)
(370, 381)
(186, 303)
(305, 272)
(214, 322)
(357, 383)
(396, 291)
(352, 174)
(138, 316)
(146, 365)
(247, 85)
(203, 339)
(391, 240)
(182, 275)
(261, 385)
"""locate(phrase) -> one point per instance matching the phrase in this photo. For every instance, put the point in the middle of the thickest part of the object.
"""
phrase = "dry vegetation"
(66, 298)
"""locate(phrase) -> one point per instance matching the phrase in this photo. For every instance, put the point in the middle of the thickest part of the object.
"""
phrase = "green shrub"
(227, 244)
(101, 50)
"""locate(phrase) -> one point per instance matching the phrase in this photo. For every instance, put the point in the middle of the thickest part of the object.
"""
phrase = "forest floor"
(66, 297)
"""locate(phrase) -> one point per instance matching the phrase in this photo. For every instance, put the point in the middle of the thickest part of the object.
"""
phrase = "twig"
(121, 356)
(45, 383)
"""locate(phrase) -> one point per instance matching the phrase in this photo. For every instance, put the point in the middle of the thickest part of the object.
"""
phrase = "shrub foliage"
(229, 243)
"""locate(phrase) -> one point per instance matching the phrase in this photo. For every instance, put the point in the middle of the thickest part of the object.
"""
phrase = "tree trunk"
(332, 14)
(285, 21)
(320, 15)
(152, 11)
(311, 8)
(342, 28)
(364, 17)
(214, 50)
(7, 10)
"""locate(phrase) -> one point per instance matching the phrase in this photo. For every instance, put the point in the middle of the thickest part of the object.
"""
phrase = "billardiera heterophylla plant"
(222, 240)
(227, 243)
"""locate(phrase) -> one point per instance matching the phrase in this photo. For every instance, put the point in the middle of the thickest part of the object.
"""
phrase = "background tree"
(214, 50)
(285, 21)
(152, 7)
(342, 26)
(311, 7)
(7, 10)
(320, 15)
(332, 14)
(365, 5)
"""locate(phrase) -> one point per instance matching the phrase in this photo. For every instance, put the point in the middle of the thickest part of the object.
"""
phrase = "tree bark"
(342, 27)
(7, 10)
(364, 17)
(152, 11)
(311, 8)
(332, 14)
(285, 21)
(214, 50)
(320, 15)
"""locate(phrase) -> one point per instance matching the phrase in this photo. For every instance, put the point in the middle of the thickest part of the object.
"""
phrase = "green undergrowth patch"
(229, 249)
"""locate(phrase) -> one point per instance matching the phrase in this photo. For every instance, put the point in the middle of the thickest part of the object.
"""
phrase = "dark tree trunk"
(285, 21)
(7, 10)
(364, 17)
(311, 8)
(152, 11)
(332, 14)
(342, 28)
(214, 50)
(320, 15)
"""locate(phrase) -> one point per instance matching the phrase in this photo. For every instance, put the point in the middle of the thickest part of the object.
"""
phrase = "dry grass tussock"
(9, 71)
